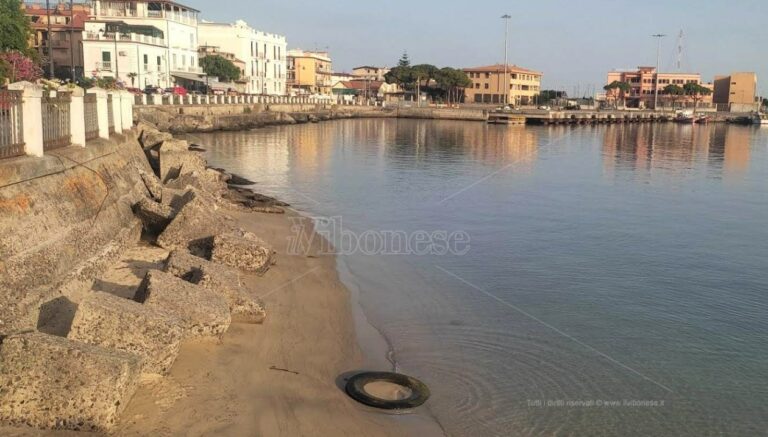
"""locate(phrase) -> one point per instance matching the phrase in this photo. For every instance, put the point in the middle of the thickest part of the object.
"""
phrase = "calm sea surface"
(617, 276)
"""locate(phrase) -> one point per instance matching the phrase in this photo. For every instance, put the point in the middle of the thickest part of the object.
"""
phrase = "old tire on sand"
(417, 391)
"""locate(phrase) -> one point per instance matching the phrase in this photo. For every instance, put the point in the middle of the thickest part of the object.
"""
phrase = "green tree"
(453, 82)
(404, 61)
(400, 75)
(133, 77)
(14, 27)
(697, 92)
(619, 89)
(674, 91)
(220, 67)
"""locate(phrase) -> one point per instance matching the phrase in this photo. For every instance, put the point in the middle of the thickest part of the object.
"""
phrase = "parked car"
(545, 108)
(176, 91)
(153, 90)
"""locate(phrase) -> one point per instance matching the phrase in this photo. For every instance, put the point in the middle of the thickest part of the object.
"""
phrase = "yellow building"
(309, 72)
(488, 85)
(736, 92)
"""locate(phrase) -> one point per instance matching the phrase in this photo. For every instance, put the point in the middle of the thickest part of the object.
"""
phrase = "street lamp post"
(48, 39)
(658, 37)
(71, 39)
(506, 18)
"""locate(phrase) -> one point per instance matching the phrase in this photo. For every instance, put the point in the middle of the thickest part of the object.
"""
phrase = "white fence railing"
(197, 99)
(34, 121)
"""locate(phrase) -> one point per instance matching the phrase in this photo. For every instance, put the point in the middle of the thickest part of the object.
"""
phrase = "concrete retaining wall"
(188, 119)
(63, 218)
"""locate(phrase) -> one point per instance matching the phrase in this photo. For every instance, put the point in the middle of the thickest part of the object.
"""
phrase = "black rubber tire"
(355, 388)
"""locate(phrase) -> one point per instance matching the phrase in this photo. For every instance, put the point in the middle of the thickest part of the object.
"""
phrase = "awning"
(190, 76)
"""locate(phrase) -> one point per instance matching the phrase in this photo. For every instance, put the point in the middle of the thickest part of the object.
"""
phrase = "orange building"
(643, 88)
(66, 25)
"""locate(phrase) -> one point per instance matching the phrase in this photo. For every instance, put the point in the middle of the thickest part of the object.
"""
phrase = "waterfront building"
(337, 77)
(364, 89)
(142, 43)
(736, 92)
(642, 92)
(367, 72)
(524, 85)
(264, 54)
(67, 23)
(309, 72)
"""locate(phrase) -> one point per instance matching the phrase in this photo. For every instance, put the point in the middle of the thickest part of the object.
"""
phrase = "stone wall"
(193, 118)
(63, 218)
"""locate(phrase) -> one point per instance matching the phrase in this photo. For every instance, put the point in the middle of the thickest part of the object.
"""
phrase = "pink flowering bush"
(16, 67)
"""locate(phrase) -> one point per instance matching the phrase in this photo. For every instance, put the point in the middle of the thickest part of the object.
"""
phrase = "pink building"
(643, 82)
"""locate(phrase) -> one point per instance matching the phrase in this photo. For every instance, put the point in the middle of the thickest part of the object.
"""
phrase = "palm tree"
(132, 76)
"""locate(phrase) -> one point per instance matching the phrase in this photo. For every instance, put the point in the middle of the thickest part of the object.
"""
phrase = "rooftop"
(499, 68)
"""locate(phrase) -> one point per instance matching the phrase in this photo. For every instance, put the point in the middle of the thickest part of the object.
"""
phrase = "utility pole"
(48, 39)
(71, 40)
(658, 37)
(506, 18)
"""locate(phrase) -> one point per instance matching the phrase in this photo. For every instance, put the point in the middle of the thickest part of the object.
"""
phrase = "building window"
(487, 86)
(477, 86)
(106, 60)
(487, 75)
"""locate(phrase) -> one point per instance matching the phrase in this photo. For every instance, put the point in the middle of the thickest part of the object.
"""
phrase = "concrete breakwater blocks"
(242, 250)
(176, 159)
(54, 383)
(154, 216)
(151, 137)
(194, 226)
(221, 279)
(117, 323)
(203, 313)
(154, 187)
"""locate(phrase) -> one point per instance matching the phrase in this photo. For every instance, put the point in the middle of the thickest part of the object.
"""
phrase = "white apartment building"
(142, 42)
(264, 54)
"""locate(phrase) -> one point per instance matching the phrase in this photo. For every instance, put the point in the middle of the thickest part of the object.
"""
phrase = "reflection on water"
(677, 149)
(616, 283)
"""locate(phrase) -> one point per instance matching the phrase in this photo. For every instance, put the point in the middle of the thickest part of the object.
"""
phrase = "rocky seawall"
(73, 355)
(192, 119)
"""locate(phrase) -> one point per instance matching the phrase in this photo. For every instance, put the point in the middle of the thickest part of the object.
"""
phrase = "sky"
(573, 43)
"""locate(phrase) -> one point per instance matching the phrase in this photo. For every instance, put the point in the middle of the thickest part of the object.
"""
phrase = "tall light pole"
(658, 37)
(48, 39)
(506, 18)
(71, 39)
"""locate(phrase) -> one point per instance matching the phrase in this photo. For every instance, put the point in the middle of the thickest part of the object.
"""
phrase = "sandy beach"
(279, 378)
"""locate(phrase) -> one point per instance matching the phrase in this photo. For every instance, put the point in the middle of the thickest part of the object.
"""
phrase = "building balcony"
(132, 37)
(189, 18)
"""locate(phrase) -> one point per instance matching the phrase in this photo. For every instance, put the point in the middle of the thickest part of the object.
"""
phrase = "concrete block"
(54, 383)
(155, 216)
(151, 138)
(194, 225)
(203, 313)
(176, 160)
(242, 250)
(117, 323)
(154, 187)
(221, 279)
